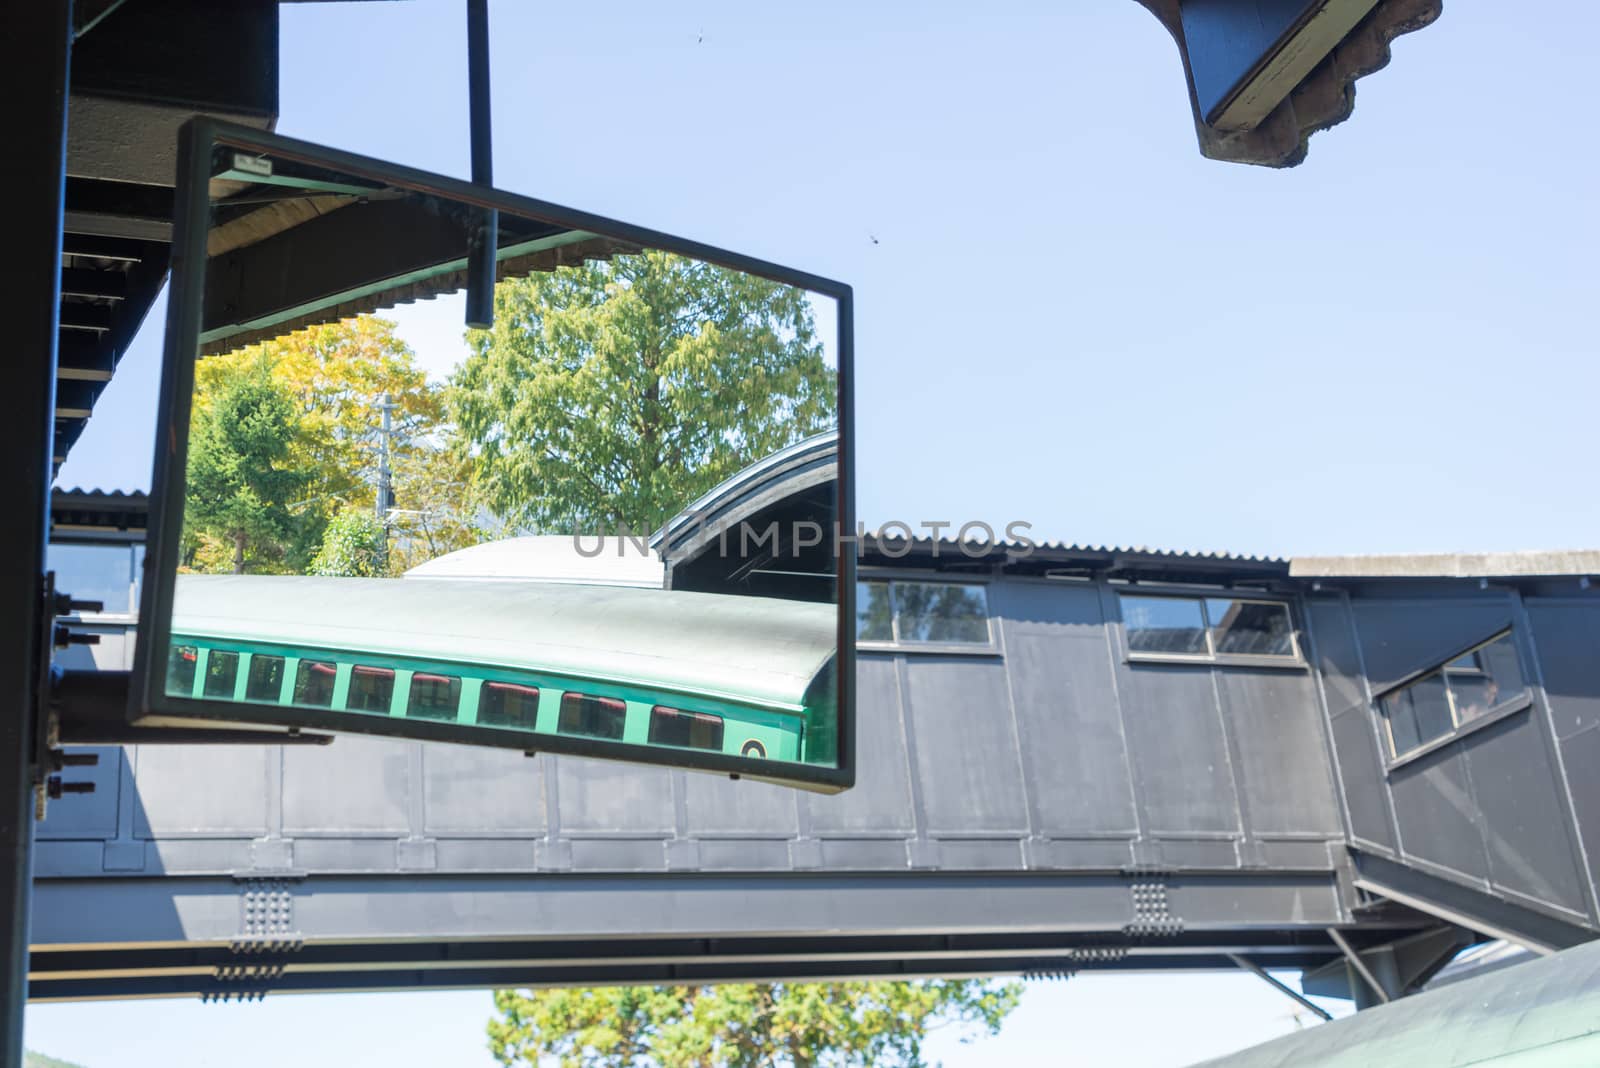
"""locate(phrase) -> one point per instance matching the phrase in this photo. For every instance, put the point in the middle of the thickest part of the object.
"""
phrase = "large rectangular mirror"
(608, 525)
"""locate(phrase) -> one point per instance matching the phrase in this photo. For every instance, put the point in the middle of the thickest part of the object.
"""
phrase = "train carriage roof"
(752, 649)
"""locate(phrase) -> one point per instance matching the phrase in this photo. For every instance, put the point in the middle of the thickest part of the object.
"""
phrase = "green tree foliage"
(243, 476)
(334, 375)
(617, 392)
(874, 612)
(436, 509)
(353, 546)
(784, 1025)
(30, 1059)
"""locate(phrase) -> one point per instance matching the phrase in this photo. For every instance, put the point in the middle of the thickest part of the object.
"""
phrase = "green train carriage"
(735, 675)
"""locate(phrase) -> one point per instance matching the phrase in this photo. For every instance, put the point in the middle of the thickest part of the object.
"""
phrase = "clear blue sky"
(1069, 317)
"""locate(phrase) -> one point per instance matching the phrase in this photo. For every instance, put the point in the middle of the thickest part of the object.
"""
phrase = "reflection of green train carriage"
(736, 675)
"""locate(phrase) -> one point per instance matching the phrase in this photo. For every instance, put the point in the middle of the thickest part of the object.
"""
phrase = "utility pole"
(385, 498)
(385, 493)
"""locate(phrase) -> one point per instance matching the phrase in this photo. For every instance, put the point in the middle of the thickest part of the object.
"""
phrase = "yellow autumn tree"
(336, 374)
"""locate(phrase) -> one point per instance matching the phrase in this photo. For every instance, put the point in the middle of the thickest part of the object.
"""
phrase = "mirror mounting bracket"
(484, 239)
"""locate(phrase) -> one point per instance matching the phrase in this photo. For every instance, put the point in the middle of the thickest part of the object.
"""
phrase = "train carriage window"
(371, 689)
(595, 717)
(506, 704)
(222, 670)
(180, 669)
(313, 683)
(264, 682)
(434, 697)
(691, 730)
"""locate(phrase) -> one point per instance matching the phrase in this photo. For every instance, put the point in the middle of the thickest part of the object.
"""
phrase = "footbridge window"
(1475, 688)
(926, 616)
(1219, 629)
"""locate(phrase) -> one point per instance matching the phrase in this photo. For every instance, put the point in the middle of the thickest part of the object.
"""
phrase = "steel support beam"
(1284, 988)
(83, 358)
(1354, 960)
(249, 977)
(92, 709)
(34, 55)
(83, 282)
(1462, 906)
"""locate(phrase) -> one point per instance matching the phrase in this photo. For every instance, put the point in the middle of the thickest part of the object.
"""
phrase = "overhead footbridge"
(1071, 758)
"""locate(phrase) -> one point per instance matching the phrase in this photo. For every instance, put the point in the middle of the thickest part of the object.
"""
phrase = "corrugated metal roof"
(99, 510)
(77, 492)
(451, 278)
(1103, 556)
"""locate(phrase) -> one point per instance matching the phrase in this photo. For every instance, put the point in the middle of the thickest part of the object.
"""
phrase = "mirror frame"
(150, 705)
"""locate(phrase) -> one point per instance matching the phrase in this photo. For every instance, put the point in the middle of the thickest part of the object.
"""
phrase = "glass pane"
(180, 670)
(434, 697)
(371, 689)
(873, 614)
(101, 573)
(222, 669)
(265, 682)
(138, 576)
(624, 388)
(505, 704)
(694, 730)
(313, 683)
(1249, 628)
(941, 612)
(1418, 714)
(597, 717)
(1163, 625)
(1494, 678)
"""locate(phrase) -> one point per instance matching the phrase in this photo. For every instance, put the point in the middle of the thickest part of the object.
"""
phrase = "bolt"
(66, 605)
(54, 787)
(65, 637)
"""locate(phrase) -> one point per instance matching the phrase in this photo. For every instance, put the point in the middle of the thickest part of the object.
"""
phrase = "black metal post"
(34, 56)
(484, 242)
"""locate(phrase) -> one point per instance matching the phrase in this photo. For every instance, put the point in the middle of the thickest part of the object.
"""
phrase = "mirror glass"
(605, 525)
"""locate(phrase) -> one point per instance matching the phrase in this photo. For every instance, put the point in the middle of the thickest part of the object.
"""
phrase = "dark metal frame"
(1521, 701)
(37, 54)
(149, 704)
(1297, 662)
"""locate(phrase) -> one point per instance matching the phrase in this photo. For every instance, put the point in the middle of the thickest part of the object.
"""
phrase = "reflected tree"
(940, 612)
(616, 392)
(243, 475)
(335, 374)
